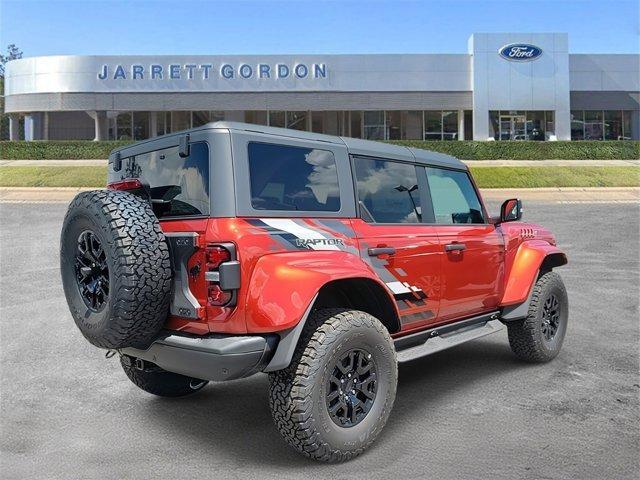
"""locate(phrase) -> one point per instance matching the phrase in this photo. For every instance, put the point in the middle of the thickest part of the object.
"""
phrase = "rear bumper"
(213, 357)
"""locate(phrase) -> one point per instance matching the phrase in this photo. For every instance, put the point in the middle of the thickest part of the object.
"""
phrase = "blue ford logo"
(520, 52)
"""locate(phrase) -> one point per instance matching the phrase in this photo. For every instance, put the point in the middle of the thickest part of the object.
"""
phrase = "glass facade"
(385, 124)
(534, 125)
(601, 125)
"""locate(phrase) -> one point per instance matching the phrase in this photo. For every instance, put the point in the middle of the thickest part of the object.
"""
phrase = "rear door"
(473, 251)
(393, 239)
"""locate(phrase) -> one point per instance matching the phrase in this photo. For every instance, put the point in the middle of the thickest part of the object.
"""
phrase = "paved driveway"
(472, 412)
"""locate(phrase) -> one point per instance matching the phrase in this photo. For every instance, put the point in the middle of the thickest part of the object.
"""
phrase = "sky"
(114, 27)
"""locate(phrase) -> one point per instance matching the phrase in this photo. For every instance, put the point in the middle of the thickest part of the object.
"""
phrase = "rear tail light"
(222, 275)
(216, 297)
(128, 184)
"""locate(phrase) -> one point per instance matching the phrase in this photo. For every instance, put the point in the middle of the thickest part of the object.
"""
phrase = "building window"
(450, 125)
(373, 125)
(468, 125)
(277, 118)
(140, 125)
(123, 126)
(393, 125)
(593, 126)
(432, 125)
(600, 125)
(521, 125)
(412, 125)
(355, 124)
(200, 118)
(297, 121)
(577, 125)
(329, 122)
(180, 121)
(257, 117)
(404, 125)
(613, 125)
(626, 125)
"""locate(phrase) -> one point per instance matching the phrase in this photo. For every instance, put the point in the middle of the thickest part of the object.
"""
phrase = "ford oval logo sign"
(520, 52)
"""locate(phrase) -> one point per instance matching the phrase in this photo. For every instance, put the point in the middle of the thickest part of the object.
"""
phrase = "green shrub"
(578, 150)
(58, 150)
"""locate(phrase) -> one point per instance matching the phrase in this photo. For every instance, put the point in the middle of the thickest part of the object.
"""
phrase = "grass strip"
(486, 177)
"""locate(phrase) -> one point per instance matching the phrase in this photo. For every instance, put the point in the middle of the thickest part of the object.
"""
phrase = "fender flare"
(532, 257)
(283, 284)
(285, 287)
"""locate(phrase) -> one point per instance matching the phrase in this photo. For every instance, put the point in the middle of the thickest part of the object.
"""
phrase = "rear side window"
(291, 178)
(179, 186)
(388, 192)
(453, 196)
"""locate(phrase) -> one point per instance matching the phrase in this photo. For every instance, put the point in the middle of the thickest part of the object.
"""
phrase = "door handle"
(453, 247)
(374, 252)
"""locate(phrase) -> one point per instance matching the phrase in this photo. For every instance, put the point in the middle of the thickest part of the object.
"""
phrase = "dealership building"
(509, 86)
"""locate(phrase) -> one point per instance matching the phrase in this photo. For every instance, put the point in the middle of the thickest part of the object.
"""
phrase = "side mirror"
(183, 147)
(511, 210)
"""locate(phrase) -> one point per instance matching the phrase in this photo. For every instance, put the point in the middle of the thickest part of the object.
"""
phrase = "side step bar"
(440, 338)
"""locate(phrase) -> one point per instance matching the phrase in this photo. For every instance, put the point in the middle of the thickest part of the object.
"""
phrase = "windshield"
(178, 186)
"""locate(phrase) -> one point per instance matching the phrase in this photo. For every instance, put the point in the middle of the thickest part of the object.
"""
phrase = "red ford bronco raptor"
(232, 249)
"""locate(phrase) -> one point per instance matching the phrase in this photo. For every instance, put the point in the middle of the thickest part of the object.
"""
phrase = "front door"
(402, 251)
(513, 127)
(473, 251)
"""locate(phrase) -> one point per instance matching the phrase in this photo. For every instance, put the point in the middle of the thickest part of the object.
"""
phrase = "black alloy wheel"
(351, 388)
(92, 271)
(550, 317)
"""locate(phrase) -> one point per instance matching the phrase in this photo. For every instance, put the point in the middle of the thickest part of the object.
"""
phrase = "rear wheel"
(157, 381)
(539, 337)
(334, 398)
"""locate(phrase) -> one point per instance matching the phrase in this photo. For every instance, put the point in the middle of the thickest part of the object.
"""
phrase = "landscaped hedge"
(578, 150)
(58, 150)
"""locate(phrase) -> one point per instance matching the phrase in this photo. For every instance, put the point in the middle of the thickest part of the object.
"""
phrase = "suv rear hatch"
(178, 187)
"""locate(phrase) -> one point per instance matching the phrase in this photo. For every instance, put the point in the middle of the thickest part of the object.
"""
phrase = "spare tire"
(115, 267)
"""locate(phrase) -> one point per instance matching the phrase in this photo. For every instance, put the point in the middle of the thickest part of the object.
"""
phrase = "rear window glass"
(293, 178)
(179, 186)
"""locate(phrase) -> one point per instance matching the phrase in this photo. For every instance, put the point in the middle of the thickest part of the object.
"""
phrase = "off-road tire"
(526, 336)
(297, 394)
(139, 269)
(157, 381)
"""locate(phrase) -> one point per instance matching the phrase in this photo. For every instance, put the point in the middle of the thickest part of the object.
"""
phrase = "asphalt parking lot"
(473, 412)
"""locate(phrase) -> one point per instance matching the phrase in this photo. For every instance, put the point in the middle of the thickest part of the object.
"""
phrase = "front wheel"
(334, 398)
(538, 337)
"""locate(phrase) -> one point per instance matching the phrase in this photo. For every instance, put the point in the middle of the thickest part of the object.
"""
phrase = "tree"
(13, 53)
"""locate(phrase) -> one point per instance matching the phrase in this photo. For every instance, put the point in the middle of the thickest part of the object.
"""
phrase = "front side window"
(388, 191)
(290, 178)
(453, 196)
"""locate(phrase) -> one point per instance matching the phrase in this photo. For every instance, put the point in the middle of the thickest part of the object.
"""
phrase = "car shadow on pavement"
(232, 419)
